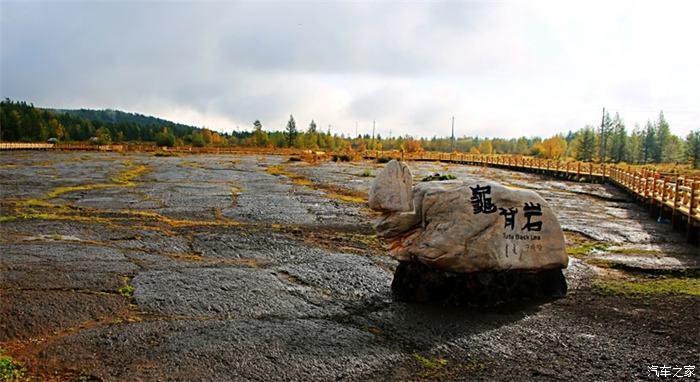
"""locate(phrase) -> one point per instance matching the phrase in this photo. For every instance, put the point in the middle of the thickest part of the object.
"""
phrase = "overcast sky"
(506, 68)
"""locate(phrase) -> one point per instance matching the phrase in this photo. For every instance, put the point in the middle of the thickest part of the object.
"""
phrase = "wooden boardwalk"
(668, 196)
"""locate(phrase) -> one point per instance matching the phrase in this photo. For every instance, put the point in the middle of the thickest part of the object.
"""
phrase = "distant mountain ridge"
(112, 116)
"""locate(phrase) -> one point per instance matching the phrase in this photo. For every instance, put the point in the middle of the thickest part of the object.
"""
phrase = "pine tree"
(649, 149)
(692, 148)
(605, 129)
(618, 144)
(259, 137)
(291, 131)
(586, 145)
(663, 135)
(635, 145)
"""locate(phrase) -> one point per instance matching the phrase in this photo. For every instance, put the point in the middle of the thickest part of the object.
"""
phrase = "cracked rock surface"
(226, 268)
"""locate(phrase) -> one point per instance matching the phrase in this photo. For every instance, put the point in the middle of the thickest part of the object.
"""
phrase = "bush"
(384, 159)
(366, 173)
(165, 138)
(438, 177)
(341, 158)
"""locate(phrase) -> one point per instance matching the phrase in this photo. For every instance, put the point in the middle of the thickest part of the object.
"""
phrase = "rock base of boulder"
(415, 282)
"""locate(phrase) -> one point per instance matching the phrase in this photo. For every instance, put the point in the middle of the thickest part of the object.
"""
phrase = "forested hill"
(109, 116)
(20, 121)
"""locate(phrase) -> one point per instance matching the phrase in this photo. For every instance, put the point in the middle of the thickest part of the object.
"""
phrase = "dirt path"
(122, 268)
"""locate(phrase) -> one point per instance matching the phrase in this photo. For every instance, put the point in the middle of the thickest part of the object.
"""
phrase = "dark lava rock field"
(123, 267)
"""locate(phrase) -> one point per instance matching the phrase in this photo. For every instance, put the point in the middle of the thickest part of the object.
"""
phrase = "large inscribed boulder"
(467, 227)
(470, 227)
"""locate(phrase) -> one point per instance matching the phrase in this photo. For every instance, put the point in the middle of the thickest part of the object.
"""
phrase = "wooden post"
(676, 203)
(691, 209)
(603, 166)
(692, 231)
(654, 192)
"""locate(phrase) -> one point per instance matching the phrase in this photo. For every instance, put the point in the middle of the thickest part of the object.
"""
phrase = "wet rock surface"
(217, 268)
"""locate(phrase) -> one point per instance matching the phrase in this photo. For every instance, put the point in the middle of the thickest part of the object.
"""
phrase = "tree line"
(611, 142)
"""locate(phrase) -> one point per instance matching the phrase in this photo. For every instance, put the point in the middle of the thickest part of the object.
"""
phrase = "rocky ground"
(138, 267)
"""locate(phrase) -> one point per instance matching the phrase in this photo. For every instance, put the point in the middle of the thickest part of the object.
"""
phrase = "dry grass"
(330, 191)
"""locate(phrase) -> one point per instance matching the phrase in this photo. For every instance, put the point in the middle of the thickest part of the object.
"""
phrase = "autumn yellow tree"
(411, 145)
(486, 147)
(552, 148)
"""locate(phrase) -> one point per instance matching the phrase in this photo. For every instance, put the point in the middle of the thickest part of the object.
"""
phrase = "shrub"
(438, 177)
(341, 158)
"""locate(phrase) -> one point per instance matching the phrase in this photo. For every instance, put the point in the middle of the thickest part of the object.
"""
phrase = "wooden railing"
(145, 148)
(25, 146)
(680, 194)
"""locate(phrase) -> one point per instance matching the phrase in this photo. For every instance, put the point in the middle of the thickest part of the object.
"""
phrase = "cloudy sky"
(502, 68)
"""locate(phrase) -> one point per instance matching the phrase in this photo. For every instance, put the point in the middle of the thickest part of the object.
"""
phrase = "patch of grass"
(669, 285)
(166, 154)
(154, 216)
(127, 290)
(438, 177)
(347, 198)
(41, 203)
(296, 178)
(10, 370)
(435, 364)
(275, 170)
(58, 191)
(191, 164)
(31, 215)
(126, 177)
(366, 173)
(440, 369)
(332, 192)
(586, 248)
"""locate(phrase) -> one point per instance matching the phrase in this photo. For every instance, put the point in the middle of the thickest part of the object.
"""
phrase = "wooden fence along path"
(668, 196)
(148, 149)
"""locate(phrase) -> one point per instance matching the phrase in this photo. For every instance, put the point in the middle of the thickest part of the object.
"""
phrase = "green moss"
(10, 370)
(165, 154)
(127, 290)
(366, 173)
(435, 364)
(585, 249)
(440, 369)
(438, 177)
(667, 285)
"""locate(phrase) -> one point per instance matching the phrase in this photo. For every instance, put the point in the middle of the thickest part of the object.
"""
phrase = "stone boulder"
(470, 227)
(476, 226)
(391, 189)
